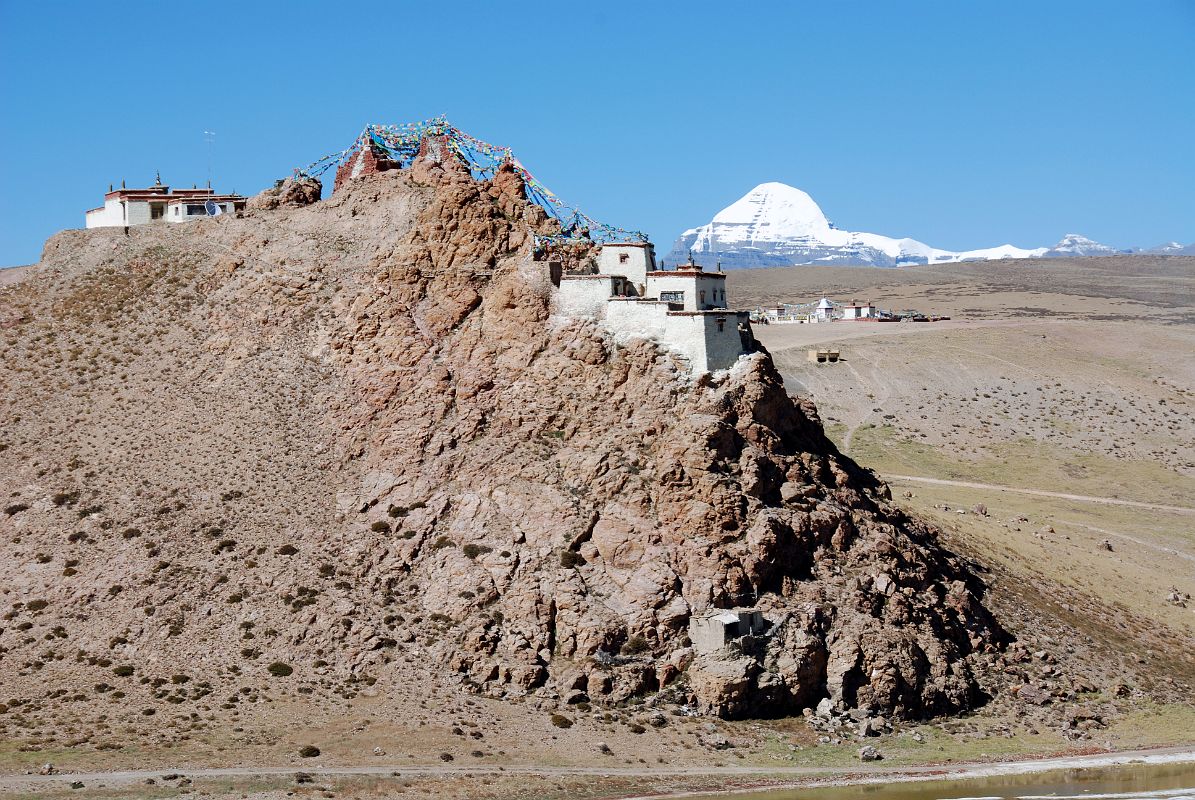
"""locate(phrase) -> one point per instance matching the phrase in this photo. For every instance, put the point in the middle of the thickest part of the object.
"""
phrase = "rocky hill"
(335, 437)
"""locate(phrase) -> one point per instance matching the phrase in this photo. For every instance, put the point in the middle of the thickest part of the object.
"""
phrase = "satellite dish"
(213, 209)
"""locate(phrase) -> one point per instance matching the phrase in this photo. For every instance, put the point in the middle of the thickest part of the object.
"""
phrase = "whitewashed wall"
(585, 295)
(692, 285)
(640, 261)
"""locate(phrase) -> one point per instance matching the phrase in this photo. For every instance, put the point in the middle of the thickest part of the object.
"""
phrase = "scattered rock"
(869, 753)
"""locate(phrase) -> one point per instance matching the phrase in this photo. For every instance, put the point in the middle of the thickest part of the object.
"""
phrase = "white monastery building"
(684, 309)
(856, 311)
(125, 207)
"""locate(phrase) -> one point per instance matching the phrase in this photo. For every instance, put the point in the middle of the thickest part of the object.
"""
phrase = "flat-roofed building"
(158, 203)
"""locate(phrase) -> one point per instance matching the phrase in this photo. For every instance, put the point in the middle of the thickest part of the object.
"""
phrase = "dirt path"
(1083, 498)
(858, 774)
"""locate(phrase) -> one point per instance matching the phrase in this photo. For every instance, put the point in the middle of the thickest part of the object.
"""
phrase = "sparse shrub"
(474, 550)
(561, 721)
(16, 508)
(635, 645)
(36, 605)
(443, 542)
(287, 550)
(225, 544)
(130, 533)
(635, 727)
(570, 559)
(235, 598)
(309, 751)
(446, 757)
(380, 527)
(280, 670)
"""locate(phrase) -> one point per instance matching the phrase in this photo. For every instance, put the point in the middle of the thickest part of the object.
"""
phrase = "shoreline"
(810, 777)
(1184, 754)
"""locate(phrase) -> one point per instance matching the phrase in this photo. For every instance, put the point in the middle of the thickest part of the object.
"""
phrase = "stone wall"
(587, 295)
(709, 340)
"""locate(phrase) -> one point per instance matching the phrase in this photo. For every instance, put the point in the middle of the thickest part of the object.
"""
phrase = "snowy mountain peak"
(775, 224)
(1076, 244)
(774, 210)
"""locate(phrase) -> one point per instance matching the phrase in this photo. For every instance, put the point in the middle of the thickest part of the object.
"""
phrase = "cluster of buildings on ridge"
(826, 310)
(125, 207)
(683, 309)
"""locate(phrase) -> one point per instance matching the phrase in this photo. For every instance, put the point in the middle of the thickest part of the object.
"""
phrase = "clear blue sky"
(960, 123)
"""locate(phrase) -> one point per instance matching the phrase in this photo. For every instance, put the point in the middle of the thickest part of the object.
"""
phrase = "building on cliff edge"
(124, 207)
(624, 290)
(684, 309)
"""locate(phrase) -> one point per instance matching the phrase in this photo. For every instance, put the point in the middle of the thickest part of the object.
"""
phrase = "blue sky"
(962, 124)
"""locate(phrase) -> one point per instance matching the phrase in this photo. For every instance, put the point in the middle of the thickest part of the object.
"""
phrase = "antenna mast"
(209, 137)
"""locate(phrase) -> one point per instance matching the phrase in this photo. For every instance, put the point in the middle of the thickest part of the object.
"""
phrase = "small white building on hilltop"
(125, 207)
(854, 310)
(683, 309)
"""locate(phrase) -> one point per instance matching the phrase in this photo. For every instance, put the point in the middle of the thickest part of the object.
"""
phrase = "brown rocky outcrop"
(294, 192)
(358, 425)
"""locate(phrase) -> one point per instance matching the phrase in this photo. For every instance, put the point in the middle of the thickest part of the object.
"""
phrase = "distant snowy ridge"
(777, 225)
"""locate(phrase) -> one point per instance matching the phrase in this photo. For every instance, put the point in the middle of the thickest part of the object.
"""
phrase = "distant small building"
(125, 207)
(856, 310)
(824, 356)
(824, 311)
(719, 627)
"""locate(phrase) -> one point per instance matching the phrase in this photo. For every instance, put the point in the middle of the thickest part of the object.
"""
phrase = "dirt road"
(1083, 498)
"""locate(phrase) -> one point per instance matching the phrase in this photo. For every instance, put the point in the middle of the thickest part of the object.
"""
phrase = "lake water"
(1126, 782)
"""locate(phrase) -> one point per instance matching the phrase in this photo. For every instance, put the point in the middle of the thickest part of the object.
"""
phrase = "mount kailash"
(779, 225)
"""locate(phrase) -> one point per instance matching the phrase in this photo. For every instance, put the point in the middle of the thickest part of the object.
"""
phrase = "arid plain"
(1060, 396)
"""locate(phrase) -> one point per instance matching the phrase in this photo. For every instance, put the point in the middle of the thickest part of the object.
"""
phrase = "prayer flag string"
(401, 142)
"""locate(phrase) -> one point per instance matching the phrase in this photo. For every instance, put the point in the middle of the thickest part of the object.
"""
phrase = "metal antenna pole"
(209, 137)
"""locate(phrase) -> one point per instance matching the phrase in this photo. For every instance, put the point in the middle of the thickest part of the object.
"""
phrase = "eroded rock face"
(459, 471)
(293, 192)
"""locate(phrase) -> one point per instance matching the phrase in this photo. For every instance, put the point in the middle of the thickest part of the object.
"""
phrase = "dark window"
(672, 297)
(193, 211)
(623, 258)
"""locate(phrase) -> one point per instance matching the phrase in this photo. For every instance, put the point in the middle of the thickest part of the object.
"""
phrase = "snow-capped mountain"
(777, 225)
(1075, 244)
(1172, 249)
